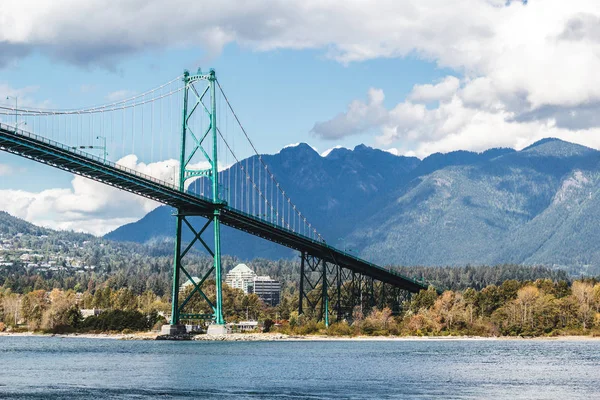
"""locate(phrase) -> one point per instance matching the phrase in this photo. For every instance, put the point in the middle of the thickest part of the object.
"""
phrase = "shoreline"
(270, 337)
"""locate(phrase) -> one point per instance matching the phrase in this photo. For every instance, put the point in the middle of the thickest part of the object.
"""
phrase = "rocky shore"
(268, 337)
(232, 337)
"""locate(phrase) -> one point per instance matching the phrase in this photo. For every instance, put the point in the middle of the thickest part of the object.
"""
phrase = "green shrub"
(119, 320)
(340, 329)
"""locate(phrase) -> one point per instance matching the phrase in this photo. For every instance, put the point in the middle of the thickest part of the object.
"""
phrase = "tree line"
(513, 308)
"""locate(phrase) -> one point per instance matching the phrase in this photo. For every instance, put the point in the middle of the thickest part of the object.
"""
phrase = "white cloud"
(167, 170)
(455, 124)
(519, 72)
(545, 53)
(522, 73)
(439, 91)
(86, 206)
(366, 116)
(358, 118)
(512, 43)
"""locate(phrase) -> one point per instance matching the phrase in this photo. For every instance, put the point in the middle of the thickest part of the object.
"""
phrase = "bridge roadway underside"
(59, 156)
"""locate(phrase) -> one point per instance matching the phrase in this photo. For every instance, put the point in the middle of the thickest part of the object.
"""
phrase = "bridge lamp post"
(103, 147)
(172, 178)
(346, 250)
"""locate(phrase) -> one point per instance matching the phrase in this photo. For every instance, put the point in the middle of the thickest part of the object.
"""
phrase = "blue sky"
(278, 95)
(413, 78)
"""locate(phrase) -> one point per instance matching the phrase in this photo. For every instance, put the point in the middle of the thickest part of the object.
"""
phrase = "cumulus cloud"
(86, 206)
(360, 117)
(434, 92)
(522, 72)
(582, 27)
(456, 124)
(519, 72)
(542, 54)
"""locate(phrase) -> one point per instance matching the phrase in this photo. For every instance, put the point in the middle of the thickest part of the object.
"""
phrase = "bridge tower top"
(199, 100)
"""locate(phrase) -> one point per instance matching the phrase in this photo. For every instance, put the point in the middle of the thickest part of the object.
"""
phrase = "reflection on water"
(70, 368)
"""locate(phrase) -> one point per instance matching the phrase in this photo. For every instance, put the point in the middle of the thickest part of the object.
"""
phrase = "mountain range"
(539, 205)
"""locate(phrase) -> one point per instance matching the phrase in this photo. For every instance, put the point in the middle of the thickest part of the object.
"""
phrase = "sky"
(413, 77)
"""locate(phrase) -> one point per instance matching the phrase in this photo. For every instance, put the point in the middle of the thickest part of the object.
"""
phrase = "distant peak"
(362, 147)
(544, 141)
(300, 146)
(556, 147)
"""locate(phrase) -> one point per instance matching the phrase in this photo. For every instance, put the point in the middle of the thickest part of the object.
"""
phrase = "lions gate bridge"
(199, 159)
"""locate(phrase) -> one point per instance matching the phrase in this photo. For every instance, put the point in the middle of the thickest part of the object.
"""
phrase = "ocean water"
(76, 368)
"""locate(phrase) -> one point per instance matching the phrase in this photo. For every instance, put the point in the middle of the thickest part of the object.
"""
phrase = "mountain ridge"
(463, 207)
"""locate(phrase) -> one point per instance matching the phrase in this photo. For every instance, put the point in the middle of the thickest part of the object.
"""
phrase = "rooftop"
(241, 269)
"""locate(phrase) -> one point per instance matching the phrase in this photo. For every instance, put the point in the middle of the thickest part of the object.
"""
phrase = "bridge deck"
(42, 150)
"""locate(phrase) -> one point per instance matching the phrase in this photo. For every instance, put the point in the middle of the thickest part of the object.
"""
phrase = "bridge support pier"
(329, 292)
(211, 309)
(312, 295)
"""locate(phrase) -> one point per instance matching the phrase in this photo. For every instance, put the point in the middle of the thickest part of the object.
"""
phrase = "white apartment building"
(241, 277)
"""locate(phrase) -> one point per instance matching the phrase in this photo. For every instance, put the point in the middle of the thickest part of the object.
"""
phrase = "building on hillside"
(267, 289)
(90, 312)
(241, 277)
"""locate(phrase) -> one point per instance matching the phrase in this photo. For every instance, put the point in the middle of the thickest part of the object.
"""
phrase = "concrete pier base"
(173, 330)
(214, 329)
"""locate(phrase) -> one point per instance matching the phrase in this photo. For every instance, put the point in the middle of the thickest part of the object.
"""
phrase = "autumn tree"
(62, 312)
(584, 293)
(33, 306)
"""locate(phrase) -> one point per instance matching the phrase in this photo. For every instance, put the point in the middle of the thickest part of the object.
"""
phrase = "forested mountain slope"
(535, 206)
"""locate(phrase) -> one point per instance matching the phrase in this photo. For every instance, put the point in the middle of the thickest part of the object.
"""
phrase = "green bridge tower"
(197, 101)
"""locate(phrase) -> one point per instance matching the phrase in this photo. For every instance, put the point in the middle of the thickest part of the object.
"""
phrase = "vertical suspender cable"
(152, 131)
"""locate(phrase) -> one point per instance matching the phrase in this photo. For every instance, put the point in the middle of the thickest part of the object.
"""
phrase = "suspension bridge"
(182, 144)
